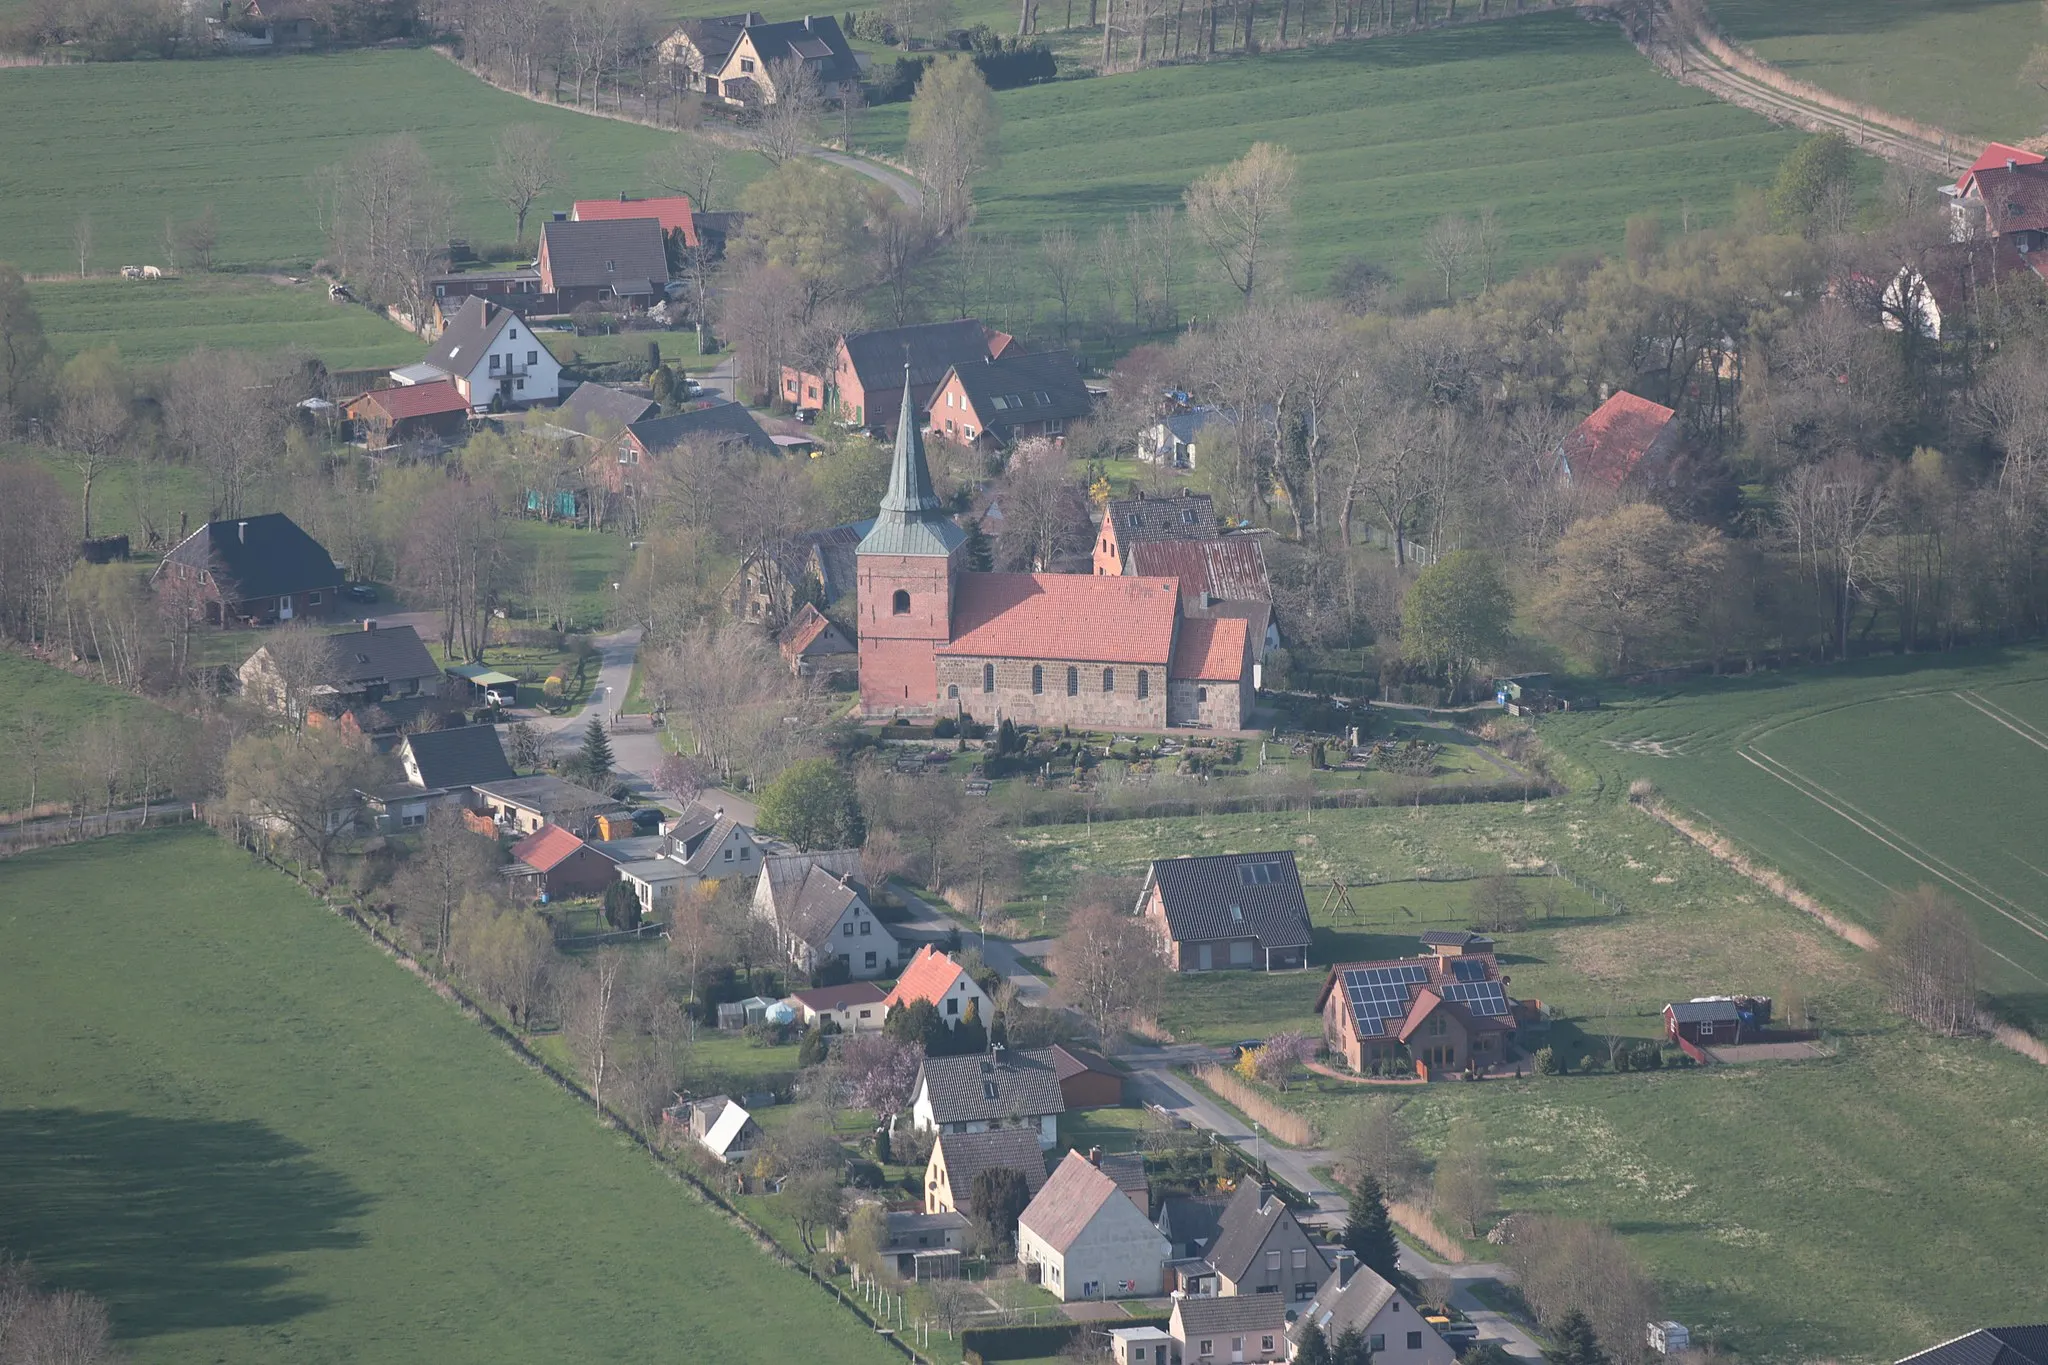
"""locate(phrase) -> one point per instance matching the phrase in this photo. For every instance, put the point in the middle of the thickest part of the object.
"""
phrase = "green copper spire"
(913, 521)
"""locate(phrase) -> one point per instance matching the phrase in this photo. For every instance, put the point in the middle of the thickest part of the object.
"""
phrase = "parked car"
(502, 696)
(362, 592)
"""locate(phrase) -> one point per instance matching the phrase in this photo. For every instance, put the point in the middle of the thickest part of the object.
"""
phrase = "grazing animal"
(131, 272)
(150, 272)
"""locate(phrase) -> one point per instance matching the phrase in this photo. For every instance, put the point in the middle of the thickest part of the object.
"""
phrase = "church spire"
(910, 479)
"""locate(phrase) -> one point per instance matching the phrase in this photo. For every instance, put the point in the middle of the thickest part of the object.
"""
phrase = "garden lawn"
(157, 322)
(1956, 66)
(259, 1140)
(63, 705)
(595, 561)
(129, 143)
(1556, 123)
(1860, 781)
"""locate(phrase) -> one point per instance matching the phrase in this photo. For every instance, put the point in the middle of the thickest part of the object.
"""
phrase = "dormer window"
(988, 1090)
(611, 267)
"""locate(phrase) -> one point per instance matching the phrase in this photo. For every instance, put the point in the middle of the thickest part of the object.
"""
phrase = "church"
(1103, 653)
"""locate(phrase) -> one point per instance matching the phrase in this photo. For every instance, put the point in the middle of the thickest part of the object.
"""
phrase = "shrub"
(945, 728)
(552, 688)
(1549, 1062)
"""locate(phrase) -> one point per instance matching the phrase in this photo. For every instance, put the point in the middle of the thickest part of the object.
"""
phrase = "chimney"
(1094, 1156)
(622, 197)
(370, 624)
(242, 532)
(1346, 1262)
(561, 216)
(1000, 1053)
(718, 814)
(2011, 164)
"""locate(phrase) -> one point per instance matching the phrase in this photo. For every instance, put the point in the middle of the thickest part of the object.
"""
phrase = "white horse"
(150, 272)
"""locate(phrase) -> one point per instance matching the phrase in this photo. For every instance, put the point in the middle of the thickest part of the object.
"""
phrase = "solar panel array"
(1381, 993)
(1468, 969)
(1481, 997)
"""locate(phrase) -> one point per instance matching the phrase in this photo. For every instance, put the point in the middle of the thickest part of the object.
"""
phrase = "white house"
(702, 845)
(1354, 1296)
(820, 912)
(494, 358)
(976, 1093)
(1087, 1240)
(937, 978)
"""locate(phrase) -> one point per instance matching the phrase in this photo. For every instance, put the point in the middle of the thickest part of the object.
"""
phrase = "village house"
(493, 358)
(1086, 1240)
(441, 768)
(813, 647)
(1211, 1331)
(1447, 1010)
(1034, 648)
(1355, 1297)
(1126, 521)
(554, 864)
(995, 403)
(428, 414)
(958, 1157)
(772, 583)
(618, 263)
(344, 669)
(1003, 1088)
(255, 571)
(1988, 1346)
(944, 984)
(599, 409)
(697, 49)
(820, 912)
(1625, 438)
(702, 844)
(866, 383)
(1190, 1223)
(671, 212)
(925, 1246)
(521, 805)
(1181, 439)
(746, 78)
(1259, 1249)
(1088, 1080)
(855, 1007)
(1242, 911)
(723, 1128)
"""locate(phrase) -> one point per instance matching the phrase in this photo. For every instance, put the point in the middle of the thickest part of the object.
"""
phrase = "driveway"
(998, 953)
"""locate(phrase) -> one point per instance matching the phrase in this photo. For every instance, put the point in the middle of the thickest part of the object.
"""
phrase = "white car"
(502, 696)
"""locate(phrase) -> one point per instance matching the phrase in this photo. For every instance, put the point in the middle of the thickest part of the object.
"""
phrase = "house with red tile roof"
(1095, 651)
(406, 414)
(935, 977)
(1625, 435)
(671, 211)
(553, 860)
(812, 646)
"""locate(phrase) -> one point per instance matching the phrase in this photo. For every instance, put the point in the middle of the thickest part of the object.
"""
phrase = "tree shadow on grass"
(168, 1219)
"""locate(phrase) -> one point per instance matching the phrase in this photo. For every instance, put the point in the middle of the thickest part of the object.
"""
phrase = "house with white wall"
(1001, 1089)
(493, 358)
(1087, 1239)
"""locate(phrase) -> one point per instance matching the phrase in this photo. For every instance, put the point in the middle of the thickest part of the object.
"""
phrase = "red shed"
(1087, 1080)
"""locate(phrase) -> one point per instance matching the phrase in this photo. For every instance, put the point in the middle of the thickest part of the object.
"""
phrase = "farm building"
(1717, 1020)
(410, 414)
(554, 864)
(866, 378)
(1241, 911)
(1126, 521)
(1625, 438)
(997, 402)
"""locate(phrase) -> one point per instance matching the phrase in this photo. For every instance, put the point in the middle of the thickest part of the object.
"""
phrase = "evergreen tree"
(981, 552)
(970, 1037)
(621, 906)
(811, 1051)
(1575, 1342)
(1314, 1348)
(1369, 1234)
(596, 762)
(884, 1150)
(911, 1023)
(1351, 1348)
(999, 1031)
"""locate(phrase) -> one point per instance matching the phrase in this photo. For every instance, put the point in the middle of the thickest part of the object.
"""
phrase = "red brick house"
(866, 383)
(257, 571)
(558, 863)
(616, 263)
(1127, 521)
(999, 401)
(410, 413)
(1626, 437)
(1446, 1010)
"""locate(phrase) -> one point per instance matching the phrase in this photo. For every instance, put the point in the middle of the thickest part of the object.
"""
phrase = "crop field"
(1956, 65)
(1555, 122)
(155, 323)
(1861, 781)
(131, 143)
(261, 1141)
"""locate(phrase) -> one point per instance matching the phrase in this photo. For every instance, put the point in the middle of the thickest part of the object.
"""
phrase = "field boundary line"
(2031, 733)
(1826, 804)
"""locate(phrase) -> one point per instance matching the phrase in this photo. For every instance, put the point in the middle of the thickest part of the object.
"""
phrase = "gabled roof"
(813, 38)
(595, 403)
(361, 658)
(402, 401)
(805, 630)
(1018, 389)
(1707, 1012)
(547, 848)
(1391, 997)
(733, 1126)
(1184, 516)
(991, 1087)
(547, 795)
(1607, 446)
(853, 993)
(928, 977)
(700, 851)
(1210, 649)
(1997, 155)
(1249, 1220)
(461, 757)
(1072, 1196)
(1082, 617)
(1191, 1218)
(1342, 1303)
(965, 1155)
(671, 211)
(261, 556)
(716, 35)
(929, 348)
(1224, 569)
(1233, 895)
(1989, 1346)
(786, 873)
(719, 422)
(1069, 1061)
(469, 335)
(624, 254)
(1238, 1314)
(808, 906)
(2014, 198)
(1454, 938)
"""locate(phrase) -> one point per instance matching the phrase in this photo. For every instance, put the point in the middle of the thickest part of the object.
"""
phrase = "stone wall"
(1013, 698)
(1208, 705)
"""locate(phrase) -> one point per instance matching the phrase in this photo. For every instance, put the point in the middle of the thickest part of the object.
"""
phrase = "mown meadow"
(158, 322)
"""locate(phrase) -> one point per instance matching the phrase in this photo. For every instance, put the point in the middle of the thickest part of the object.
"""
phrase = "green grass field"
(1859, 781)
(1556, 122)
(1953, 63)
(261, 1141)
(133, 142)
(65, 704)
(155, 323)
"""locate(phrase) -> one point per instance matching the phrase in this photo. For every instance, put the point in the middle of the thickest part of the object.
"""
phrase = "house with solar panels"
(1448, 1009)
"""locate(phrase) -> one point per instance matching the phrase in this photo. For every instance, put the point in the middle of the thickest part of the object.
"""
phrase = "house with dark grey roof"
(522, 805)
(1988, 1346)
(1000, 1089)
(442, 768)
(341, 670)
(1354, 1297)
(771, 581)
(596, 407)
(1190, 1223)
(1211, 1331)
(1126, 521)
(997, 402)
(698, 47)
(702, 844)
(1233, 910)
(613, 263)
(1259, 1249)
(762, 52)
(257, 571)
(723, 423)
(494, 359)
(1716, 1021)
(865, 384)
(958, 1157)
(819, 909)
(1087, 1239)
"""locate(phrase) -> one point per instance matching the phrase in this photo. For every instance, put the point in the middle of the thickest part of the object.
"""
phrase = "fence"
(17, 839)
(1419, 555)
(1592, 888)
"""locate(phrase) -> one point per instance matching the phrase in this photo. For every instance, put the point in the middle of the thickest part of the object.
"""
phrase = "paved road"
(998, 953)
(897, 183)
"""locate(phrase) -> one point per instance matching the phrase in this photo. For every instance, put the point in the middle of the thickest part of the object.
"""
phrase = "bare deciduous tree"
(1445, 245)
(523, 171)
(81, 241)
(789, 123)
(301, 788)
(1929, 961)
(593, 1017)
(389, 214)
(452, 864)
(1241, 210)
(1108, 967)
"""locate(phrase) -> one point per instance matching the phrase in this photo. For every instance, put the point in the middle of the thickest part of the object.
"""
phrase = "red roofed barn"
(672, 212)
(1624, 435)
(1038, 649)
(410, 412)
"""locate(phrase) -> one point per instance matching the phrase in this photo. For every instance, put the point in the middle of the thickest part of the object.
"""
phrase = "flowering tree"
(1276, 1061)
(879, 1071)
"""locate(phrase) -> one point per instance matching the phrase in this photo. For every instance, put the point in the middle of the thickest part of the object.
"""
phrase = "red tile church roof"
(1211, 649)
(1065, 616)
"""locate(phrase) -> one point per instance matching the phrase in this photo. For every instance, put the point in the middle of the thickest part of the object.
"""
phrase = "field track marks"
(1801, 786)
(2025, 729)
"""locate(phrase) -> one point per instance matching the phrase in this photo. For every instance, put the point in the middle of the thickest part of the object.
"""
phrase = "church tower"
(905, 572)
